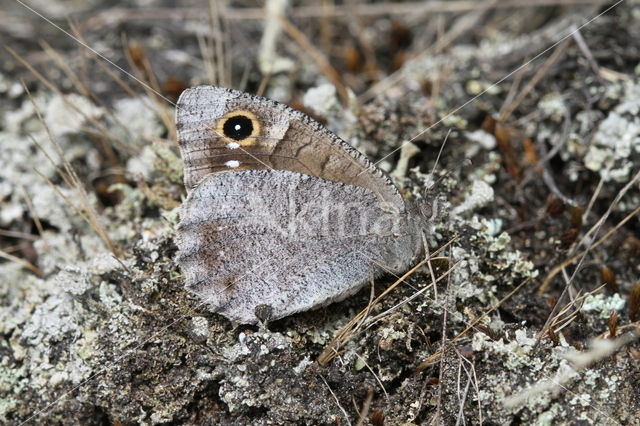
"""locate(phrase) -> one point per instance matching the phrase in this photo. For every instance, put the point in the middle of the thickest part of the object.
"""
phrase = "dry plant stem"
(443, 344)
(605, 216)
(263, 84)
(366, 406)
(23, 262)
(544, 69)
(471, 379)
(268, 57)
(364, 361)
(371, 321)
(558, 322)
(207, 58)
(581, 256)
(64, 66)
(513, 90)
(317, 56)
(350, 329)
(115, 77)
(346, 415)
(404, 8)
(474, 380)
(582, 45)
(34, 215)
(438, 354)
(556, 270)
(152, 89)
(217, 44)
(85, 91)
(124, 86)
(85, 45)
(602, 348)
(461, 26)
(495, 84)
(103, 130)
(17, 234)
(116, 16)
(71, 178)
(592, 201)
(430, 267)
(326, 26)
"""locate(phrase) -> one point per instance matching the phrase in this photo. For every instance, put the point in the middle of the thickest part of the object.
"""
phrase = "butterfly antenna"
(444, 142)
(465, 163)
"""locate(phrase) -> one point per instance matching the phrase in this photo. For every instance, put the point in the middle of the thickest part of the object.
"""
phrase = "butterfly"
(281, 215)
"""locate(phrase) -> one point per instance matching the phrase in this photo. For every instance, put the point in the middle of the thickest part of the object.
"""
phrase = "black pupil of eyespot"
(238, 127)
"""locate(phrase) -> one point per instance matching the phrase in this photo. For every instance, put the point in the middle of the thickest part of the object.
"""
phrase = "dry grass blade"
(317, 56)
(23, 262)
(350, 329)
(118, 15)
(85, 91)
(70, 177)
(443, 345)
(508, 109)
(150, 85)
(220, 42)
(34, 215)
(556, 270)
(335, 397)
(366, 406)
(364, 361)
(472, 379)
(18, 234)
(461, 26)
(566, 315)
(102, 129)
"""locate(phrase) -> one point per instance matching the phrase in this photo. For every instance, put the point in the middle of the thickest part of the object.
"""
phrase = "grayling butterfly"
(281, 216)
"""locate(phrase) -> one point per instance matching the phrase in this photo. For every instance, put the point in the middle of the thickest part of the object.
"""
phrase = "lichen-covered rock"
(94, 336)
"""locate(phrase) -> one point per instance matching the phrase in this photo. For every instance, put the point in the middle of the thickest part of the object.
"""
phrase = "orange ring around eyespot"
(249, 140)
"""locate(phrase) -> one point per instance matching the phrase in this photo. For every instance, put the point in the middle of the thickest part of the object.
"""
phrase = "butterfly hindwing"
(286, 240)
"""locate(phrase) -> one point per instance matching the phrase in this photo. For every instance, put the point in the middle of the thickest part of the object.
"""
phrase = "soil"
(518, 126)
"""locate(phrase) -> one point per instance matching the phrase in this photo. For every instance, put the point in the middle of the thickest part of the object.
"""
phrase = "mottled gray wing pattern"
(287, 241)
(282, 139)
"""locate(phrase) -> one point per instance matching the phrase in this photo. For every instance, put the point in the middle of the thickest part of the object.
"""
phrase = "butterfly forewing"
(273, 136)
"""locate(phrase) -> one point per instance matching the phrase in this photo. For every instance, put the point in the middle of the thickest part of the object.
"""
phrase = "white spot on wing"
(233, 145)
(232, 164)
